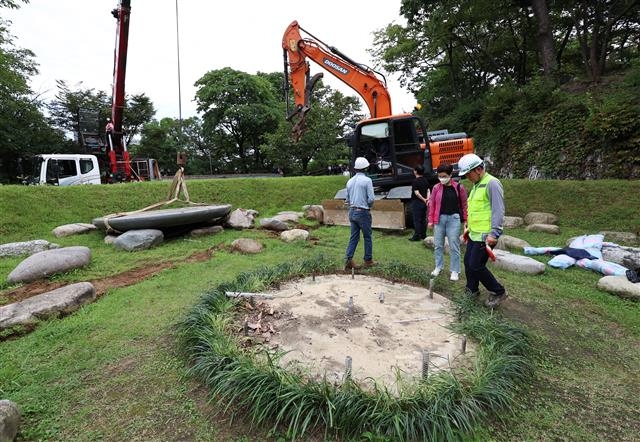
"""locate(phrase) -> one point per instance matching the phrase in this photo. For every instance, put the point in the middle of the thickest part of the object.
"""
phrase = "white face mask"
(445, 180)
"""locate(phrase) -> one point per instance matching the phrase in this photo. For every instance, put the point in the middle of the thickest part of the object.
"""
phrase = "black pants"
(419, 211)
(476, 271)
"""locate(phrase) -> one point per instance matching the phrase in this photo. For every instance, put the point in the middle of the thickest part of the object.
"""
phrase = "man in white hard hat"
(484, 227)
(360, 198)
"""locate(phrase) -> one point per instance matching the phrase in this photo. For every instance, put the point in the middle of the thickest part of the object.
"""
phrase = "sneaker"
(494, 300)
(455, 276)
(436, 272)
(415, 238)
(370, 263)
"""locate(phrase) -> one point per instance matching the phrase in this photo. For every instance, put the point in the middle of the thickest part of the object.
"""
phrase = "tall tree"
(23, 127)
(240, 108)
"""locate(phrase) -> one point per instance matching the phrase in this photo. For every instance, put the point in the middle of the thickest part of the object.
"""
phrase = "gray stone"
(60, 301)
(246, 245)
(294, 235)
(507, 242)
(511, 222)
(517, 263)
(73, 229)
(205, 231)
(314, 212)
(544, 228)
(287, 216)
(429, 242)
(110, 239)
(624, 237)
(134, 240)
(241, 218)
(620, 286)
(9, 420)
(44, 264)
(628, 257)
(273, 224)
(540, 218)
(26, 247)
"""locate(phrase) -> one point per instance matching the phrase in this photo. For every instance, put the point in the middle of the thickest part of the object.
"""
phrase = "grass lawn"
(112, 372)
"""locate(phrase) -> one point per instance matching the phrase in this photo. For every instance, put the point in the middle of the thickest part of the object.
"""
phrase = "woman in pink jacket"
(447, 213)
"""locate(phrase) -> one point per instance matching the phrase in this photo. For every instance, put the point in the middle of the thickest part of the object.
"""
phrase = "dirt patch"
(385, 332)
(101, 285)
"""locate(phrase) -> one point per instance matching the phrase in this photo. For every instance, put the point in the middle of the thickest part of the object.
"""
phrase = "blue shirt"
(360, 191)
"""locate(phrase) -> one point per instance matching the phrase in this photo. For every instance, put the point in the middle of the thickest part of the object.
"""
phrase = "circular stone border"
(445, 406)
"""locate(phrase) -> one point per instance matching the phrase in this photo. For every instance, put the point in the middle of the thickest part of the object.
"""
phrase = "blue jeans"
(419, 212)
(449, 226)
(360, 221)
(476, 271)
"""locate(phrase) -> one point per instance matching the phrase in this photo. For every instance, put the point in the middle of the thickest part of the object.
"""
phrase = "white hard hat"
(469, 162)
(361, 163)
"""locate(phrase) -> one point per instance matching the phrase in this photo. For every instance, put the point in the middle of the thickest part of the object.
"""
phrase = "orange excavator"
(393, 144)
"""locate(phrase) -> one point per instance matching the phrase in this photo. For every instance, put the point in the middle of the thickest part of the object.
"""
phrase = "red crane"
(119, 161)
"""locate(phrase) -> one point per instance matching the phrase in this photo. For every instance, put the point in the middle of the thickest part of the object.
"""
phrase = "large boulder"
(247, 245)
(9, 420)
(620, 286)
(507, 242)
(623, 237)
(294, 235)
(274, 224)
(544, 228)
(517, 263)
(63, 300)
(511, 222)
(206, 231)
(540, 218)
(241, 218)
(314, 212)
(50, 262)
(134, 240)
(73, 229)
(628, 257)
(26, 247)
(288, 216)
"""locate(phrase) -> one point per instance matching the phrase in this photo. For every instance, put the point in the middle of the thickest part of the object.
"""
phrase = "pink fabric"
(435, 202)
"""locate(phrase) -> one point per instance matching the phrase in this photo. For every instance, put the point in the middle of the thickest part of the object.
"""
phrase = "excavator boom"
(370, 85)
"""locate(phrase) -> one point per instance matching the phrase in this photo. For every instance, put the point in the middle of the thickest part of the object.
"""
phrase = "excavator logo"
(335, 66)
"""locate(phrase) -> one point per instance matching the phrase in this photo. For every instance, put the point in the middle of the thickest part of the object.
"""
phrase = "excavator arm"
(369, 84)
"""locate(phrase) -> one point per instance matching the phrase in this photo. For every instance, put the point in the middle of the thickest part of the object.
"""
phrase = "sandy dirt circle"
(386, 335)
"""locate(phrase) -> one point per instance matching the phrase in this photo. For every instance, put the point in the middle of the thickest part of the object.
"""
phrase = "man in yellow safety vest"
(484, 227)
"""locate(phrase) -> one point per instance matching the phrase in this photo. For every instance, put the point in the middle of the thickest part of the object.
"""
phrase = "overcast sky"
(74, 40)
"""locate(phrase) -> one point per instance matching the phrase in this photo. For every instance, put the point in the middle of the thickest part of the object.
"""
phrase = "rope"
(178, 184)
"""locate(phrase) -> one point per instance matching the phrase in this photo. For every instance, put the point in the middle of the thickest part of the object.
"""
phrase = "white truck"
(65, 169)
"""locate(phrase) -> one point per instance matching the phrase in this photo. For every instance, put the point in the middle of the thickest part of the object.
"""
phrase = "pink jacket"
(435, 202)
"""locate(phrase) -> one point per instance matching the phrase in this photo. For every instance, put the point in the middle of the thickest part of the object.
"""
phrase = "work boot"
(494, 300)
(370, 263)
(350, 264)
(470, 293)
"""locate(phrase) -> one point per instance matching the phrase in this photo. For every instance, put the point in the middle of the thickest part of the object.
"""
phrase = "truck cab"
(65, 169)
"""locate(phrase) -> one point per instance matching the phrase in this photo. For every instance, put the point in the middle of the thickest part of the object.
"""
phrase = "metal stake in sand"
(464, 344)
(313, 276)
(425, 364)
(350, 306)
(381, 297)
(347, 368)
(353, 273)
(432, 282)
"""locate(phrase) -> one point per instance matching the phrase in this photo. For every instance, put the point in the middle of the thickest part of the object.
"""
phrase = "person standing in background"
(360, 199)
(447, 212)
(484, 227)
(419, 201)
